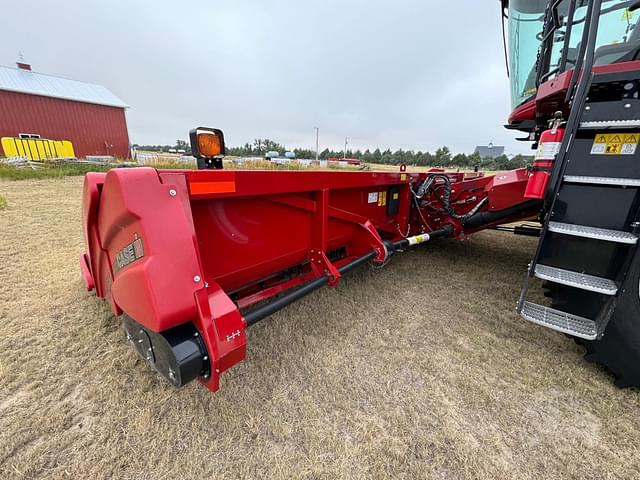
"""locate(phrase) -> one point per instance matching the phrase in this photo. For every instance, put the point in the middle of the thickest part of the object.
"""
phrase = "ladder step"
(618, 182)
(576, 279)
(593, 232)
(561, 321)
(597, 124)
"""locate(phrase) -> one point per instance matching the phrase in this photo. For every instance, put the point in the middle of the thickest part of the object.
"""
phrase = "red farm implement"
(192, 258)
(195, 257)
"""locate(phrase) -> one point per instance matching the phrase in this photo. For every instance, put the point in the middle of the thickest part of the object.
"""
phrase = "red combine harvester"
(191, 258)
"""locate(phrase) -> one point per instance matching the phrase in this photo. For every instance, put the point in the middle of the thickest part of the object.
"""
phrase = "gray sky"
(412, 74)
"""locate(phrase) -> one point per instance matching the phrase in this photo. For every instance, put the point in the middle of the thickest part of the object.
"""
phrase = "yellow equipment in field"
(37, 149)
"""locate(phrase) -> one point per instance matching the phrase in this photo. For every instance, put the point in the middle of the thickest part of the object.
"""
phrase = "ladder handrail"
(573, 123)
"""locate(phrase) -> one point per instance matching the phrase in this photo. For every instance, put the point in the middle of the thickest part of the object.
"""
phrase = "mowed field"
(419, 370)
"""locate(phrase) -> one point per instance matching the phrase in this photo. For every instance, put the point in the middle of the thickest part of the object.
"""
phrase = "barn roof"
(490, 150)
(33, 83)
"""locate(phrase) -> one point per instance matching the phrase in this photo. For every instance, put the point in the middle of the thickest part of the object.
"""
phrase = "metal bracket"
(322, 265)
(377, 244)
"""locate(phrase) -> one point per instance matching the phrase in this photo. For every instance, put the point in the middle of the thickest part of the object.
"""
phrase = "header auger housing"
(191, 258)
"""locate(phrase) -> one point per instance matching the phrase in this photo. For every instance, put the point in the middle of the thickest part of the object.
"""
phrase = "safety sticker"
(418, 239)
(382, 199)
(615, 144)
(548, 150)
(373, 197)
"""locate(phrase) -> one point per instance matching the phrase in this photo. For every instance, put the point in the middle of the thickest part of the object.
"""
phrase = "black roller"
(178, 354)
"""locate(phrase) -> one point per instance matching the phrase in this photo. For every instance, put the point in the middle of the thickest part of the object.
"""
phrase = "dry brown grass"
(419, 370)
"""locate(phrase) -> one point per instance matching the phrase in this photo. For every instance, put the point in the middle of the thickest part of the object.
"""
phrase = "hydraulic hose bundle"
(428, 186)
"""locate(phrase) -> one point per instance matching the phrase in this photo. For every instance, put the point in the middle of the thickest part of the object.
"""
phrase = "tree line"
(442, 157)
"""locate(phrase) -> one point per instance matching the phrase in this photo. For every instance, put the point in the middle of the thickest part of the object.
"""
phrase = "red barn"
(55, 108)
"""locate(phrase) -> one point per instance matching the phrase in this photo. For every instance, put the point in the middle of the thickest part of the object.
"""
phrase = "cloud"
(409, 74)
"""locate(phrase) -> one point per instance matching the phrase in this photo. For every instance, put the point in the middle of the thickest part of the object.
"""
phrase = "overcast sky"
(412, 74)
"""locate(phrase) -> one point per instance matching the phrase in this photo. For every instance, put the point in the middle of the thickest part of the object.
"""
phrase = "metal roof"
(490, 150)
(33, 83)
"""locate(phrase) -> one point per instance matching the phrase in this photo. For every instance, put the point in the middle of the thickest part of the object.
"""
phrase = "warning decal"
(548, 150)
(373, 197)
(382, 199)
(615, 143)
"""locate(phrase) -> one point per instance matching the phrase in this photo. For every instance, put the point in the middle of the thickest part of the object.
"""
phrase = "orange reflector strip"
(202, 188)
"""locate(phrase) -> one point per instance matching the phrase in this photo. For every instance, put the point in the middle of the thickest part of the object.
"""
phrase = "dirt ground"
(419, 370)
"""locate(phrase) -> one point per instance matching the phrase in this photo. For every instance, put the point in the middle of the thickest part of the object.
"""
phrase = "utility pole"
(345, 148)
(317, 144)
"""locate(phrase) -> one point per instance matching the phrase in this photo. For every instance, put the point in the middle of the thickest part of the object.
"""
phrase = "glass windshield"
(526, 21)
(617, 33)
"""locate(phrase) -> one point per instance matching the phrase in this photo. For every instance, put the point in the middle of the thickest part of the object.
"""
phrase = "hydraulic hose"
(485, 218)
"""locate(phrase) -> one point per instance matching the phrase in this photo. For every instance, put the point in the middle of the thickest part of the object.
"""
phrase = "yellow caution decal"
(418, 239)
(615, 143)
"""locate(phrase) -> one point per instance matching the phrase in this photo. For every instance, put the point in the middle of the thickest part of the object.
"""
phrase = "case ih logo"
(129, 254)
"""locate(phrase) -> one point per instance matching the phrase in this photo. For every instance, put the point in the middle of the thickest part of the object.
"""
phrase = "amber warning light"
(207, 145)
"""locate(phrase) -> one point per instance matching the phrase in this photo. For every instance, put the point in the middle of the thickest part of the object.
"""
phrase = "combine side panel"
(588, 248)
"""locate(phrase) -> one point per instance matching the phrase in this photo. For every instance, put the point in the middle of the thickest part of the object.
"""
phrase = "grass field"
(52, 170)
(419, 370)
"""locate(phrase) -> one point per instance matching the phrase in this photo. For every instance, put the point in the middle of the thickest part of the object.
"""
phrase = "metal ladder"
(590, 233)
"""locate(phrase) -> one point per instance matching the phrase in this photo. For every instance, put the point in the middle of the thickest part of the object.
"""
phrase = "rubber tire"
(619, 348)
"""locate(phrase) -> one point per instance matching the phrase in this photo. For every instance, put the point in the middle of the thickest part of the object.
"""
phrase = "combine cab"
(191, 258)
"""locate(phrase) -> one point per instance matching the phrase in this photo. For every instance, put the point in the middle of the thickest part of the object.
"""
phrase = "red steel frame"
(212, 242)
(550, 96)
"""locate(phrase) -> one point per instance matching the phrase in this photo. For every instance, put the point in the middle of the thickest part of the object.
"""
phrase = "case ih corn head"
(192, 258)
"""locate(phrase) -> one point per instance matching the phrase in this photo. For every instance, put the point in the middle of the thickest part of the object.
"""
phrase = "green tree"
(183, 145)
(442, 157)
(460, 160)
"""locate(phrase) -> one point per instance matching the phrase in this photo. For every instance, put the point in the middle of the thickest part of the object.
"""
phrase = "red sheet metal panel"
(93, 129)
(175, 248)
